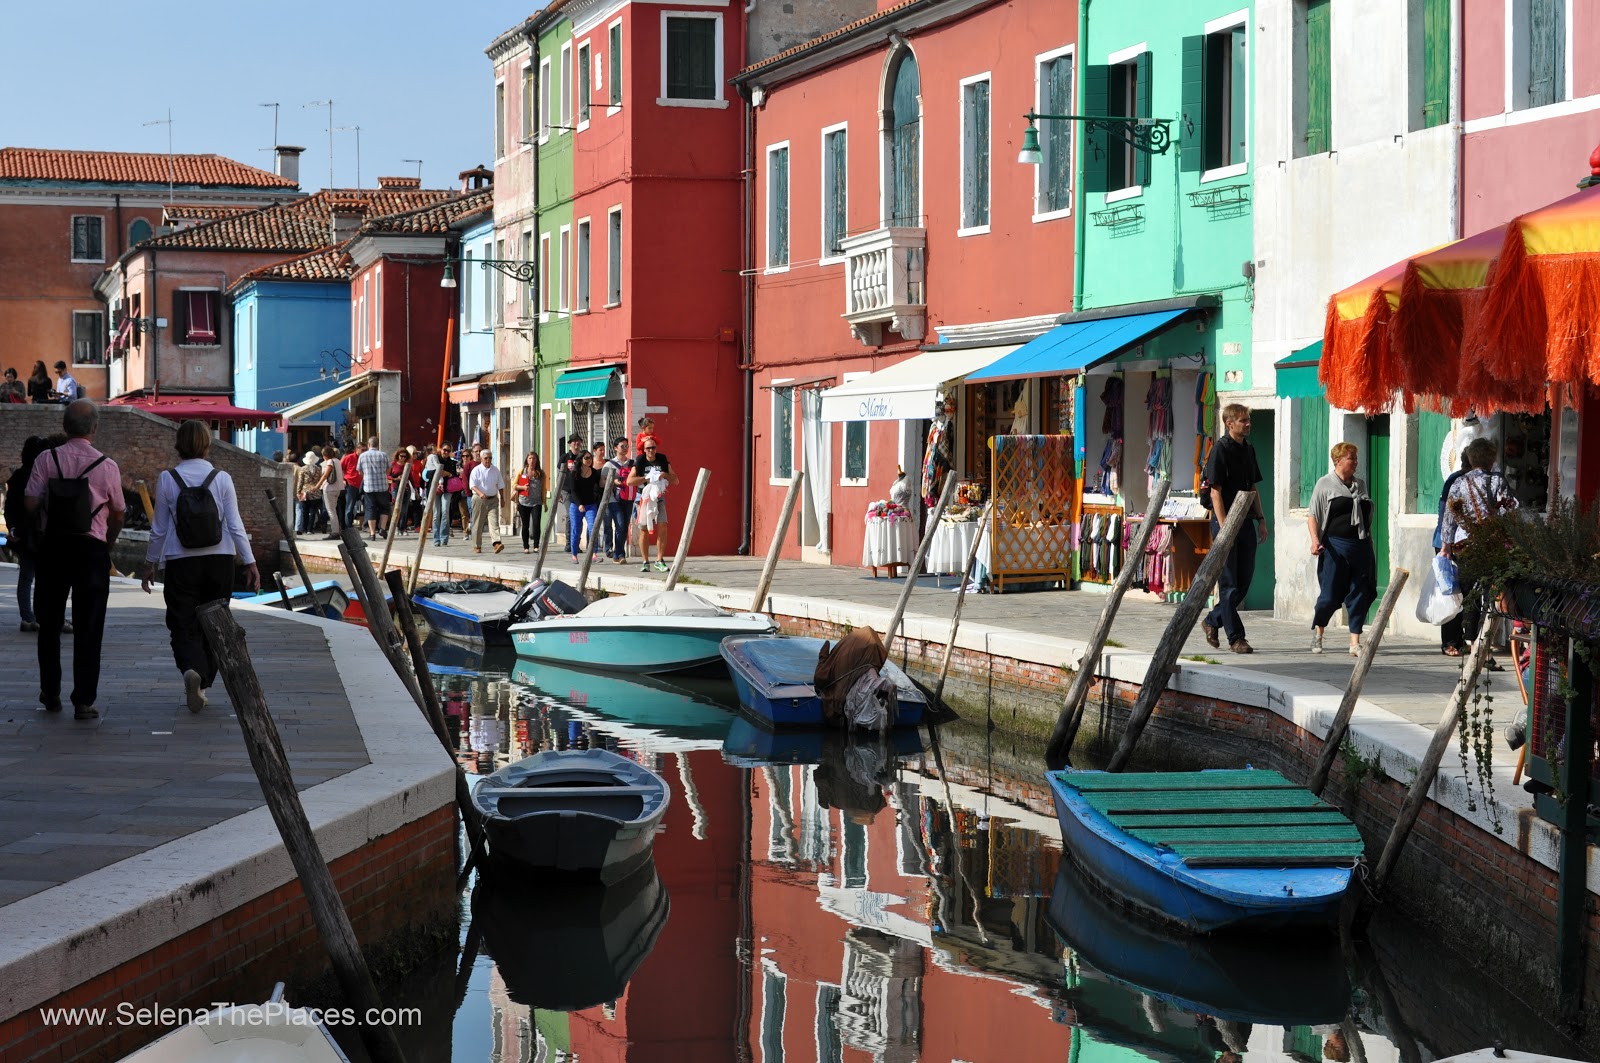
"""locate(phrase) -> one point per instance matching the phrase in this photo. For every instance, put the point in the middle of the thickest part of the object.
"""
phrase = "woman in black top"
(39, 384)
(583, 502)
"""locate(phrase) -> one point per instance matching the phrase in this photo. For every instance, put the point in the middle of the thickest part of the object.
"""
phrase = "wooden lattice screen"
(1031, 526)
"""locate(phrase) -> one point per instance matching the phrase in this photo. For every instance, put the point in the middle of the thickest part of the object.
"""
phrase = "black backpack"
(195, 515)
(67, 506)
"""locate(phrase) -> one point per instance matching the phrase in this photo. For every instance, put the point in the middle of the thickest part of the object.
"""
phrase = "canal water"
(819, 898)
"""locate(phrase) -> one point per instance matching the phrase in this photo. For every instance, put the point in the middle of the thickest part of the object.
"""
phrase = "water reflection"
(835, 899)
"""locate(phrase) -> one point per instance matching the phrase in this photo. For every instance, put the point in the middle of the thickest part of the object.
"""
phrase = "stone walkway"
(76, 796)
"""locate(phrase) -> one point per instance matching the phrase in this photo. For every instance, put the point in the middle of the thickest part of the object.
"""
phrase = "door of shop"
(1379, 488)
(1261, 584)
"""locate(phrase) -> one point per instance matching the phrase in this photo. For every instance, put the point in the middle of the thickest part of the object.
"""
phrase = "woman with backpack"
(20, 528)
(196, 534)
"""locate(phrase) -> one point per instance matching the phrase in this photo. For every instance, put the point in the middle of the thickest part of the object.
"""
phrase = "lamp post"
(516, 269)
(1153, 136)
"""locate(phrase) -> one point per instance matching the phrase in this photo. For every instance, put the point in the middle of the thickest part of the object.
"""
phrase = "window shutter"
(1432, 429)
(585, 88)
(837, 177)
(1312, 413)
(1141, 109)
(1097, 164)
(1435, 62)
(1056, 137)
(616, 65)
(855, 450)
(980, 121)
(1191, 149)
(1546, 43)
(1319, 77)
(906, 206)
(778, 253)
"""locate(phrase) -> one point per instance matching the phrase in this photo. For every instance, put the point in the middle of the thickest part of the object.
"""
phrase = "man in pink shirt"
(74, 554)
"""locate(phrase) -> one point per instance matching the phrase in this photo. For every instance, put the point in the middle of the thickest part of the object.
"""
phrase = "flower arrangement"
(886, 510)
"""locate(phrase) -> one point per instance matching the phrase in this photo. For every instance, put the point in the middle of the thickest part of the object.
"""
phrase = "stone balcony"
(886, 283)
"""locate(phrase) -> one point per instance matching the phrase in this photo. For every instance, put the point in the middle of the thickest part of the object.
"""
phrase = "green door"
(1265, 579)
(1378, 485)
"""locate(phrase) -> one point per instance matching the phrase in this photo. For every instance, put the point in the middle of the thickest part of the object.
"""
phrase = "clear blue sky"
(87, 74)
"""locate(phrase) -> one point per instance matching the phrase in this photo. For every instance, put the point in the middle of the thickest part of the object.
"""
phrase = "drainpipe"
(1078, 193)
(153, 312)
(747, 325)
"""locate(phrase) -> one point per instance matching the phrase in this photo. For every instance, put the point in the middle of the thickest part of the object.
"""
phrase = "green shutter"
(585, 88)
(1432, 430)
(1238, 150)
(1435, 62)
(778, 234)
(1191, 145)
(975, 163)
(1311, 415)
(616, 65)
(1319, 78)
(1097, 165)
(1141, 109)
(855, 450)
(907, 207)
(835, 161)
(1546, 48)
(1056, 137)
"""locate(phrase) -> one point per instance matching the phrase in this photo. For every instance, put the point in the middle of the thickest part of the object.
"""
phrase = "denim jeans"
(25, 584)
(578, 517)
(441, 516)
(618, 514)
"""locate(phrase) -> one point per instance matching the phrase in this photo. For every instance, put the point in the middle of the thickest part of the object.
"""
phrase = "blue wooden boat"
(647, 705)
(471, 611)
(328, 597)
(646, 632)
(1210, 850)
(584, 812)
(774, 678)
(1294, 980)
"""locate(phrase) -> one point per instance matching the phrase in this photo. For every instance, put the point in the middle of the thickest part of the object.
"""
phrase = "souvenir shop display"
(1033, 488)
(890, 538)
(937, 460)
(1107, 479)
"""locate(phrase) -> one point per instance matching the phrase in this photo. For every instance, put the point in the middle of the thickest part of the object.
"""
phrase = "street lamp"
(1149, 135)
(516, 269)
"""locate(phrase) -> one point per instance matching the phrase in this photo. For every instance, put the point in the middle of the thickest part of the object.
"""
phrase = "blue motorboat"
(647, 632)
(645, 705)
(1210, 850)
(775, 680)
(476, 612)
(749, 745)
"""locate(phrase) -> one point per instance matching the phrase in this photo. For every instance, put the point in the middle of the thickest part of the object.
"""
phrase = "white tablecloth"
(947, 554)
(888, 542)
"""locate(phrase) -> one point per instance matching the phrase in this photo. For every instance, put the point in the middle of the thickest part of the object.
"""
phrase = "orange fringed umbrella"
(1358, 365)
(1541, 312)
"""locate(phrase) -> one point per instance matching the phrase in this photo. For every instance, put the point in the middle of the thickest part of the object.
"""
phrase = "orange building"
(66, 215)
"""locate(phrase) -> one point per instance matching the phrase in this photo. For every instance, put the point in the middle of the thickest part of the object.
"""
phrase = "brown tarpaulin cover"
(841, 663)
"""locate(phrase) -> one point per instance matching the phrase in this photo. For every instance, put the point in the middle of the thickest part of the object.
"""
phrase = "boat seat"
(1245, 779)
(563, 791)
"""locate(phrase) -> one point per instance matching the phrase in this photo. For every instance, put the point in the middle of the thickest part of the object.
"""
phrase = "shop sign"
(877, 408)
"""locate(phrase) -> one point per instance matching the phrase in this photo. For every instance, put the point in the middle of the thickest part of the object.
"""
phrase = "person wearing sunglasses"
(583, 505)
(652, 474)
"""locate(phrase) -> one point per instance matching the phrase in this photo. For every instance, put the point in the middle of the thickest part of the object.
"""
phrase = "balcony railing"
(886, 283)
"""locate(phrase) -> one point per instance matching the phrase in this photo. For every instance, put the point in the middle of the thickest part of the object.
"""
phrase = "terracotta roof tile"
(299, 226)
(436, 218)
(816, 42)
(134, 167)
(202, 211)
(328, 264)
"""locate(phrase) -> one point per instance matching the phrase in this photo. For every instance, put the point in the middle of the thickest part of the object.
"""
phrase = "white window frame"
(467, 292)
(545, 117)
(377, 308)
(843, 129)
(788, 161)
(546, 293)
(583, 265)
(1069, 51)
(499, 119)
(584, 58)
(498, 285)
(853, 481)
(249, 337)
(961, 141)
(364, 331)
(566, 87)
(720, 102)
(487, 251)
(1516, 59)
(1217, 25)
(614, 257)
(564, 265)
(529, 116)
(783, 384)
(72, 225)
(613, 44)
(99, 332)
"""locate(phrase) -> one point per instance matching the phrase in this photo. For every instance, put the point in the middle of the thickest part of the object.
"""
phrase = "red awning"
(215, 410)
(123, 330)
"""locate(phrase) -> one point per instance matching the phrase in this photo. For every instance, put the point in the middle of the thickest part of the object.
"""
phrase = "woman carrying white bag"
(1474, 497)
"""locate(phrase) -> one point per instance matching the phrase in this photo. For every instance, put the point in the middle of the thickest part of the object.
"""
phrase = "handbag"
(454, 485)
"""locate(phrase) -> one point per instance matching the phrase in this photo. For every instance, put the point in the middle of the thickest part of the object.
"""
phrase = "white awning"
(906, 391)
(332, 397)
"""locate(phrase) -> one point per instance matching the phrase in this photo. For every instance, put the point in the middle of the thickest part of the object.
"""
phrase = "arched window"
(138, 231)
(905, 142)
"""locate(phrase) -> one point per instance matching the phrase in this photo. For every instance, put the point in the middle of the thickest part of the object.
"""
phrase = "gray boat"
(588, 813)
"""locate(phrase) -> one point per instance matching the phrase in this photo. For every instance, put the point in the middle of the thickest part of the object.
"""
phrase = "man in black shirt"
(651, 474)
(1232, 468)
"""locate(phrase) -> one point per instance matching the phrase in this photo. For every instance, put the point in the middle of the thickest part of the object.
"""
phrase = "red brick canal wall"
(391, 887)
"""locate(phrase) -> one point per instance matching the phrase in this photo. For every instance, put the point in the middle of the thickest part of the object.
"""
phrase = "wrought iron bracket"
(517, 270)
(1153, 136)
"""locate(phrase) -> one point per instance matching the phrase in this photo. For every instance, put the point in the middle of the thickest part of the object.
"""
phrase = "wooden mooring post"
(1178, 629)
(294, 551)
(961, 600)
(1071, 714)
(271, 764)
(427, 524)
(1572, 885)
(549, 522)
(695, 499)
(1358, 679)
(776, 546)
(594, 532)
(396, 516)
(916, 566)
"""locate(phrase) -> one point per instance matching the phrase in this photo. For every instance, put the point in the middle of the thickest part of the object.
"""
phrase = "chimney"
(399, 184)
(476, 178)
(343, 221)
(288, 166)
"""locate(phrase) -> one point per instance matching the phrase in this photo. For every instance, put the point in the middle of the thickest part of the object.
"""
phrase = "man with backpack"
(76, 492)
(196, 533)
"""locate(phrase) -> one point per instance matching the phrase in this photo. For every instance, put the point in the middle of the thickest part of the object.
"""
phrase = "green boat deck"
(1248, 818)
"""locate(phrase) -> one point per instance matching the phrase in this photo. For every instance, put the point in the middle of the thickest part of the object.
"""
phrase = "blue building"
(475, 323)
(292, 330)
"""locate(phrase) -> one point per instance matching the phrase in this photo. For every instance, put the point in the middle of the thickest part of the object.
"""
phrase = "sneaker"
(66, 628)
(1517, 733)
(662, 566)
(1210, 631)
(645, 567)
(1316, 642)
(193, 696)
(1355, 647)
(1241, 647)
(30, 625)
(85, 712)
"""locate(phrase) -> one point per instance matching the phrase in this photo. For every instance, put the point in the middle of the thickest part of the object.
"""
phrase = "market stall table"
(888, 542)
(952, 540)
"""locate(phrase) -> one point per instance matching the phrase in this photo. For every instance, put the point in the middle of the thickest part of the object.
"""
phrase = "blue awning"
(1076, 346)
(1297, 373)
(585, 383)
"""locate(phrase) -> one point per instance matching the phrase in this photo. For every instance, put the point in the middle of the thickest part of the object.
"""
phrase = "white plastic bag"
(1444, 571)
(1434, 606)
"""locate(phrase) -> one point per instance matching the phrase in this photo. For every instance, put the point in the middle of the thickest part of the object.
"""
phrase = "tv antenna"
(419, 169)
(167, 121)
(329, 105)
(274, 107)
(357, 131)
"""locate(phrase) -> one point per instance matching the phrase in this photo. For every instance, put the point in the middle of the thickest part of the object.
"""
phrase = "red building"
(66, 215)
(891, 222)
